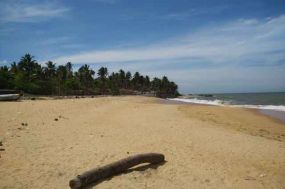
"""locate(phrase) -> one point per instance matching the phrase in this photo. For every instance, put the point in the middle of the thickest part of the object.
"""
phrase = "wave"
(263, 107)
(228, 103)
(198, 101)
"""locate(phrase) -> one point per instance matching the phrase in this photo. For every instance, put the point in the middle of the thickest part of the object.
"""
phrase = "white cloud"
(244, 55)
(13, 11)
(239, 42)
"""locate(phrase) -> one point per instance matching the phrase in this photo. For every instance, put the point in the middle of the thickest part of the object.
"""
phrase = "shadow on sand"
(139, 168)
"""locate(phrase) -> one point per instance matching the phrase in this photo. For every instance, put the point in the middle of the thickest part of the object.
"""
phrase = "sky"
(205, 46)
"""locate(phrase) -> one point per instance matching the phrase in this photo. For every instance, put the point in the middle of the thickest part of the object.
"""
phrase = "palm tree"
(27, 64)
(69, 70)
(61, 77)
(128, 79)
(136, 81)
(14, 68)
(85, 77)
(146, 83)
(49, 70)
(156, 84)
(102, 73)
(6, 79)
(122, 77)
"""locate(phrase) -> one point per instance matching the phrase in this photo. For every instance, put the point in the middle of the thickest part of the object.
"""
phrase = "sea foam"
(228, 103)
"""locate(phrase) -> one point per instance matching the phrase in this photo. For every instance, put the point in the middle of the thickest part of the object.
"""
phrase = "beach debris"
(1, 143)
(249, 178)
(24, 124)
(92, 176)
(2, 149)
(262, 175)
(55, 119)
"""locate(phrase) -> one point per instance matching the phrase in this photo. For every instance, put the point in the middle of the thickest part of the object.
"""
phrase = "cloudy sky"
(205, 46)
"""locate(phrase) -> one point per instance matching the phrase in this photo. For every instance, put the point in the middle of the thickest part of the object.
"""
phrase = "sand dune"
(205, 146)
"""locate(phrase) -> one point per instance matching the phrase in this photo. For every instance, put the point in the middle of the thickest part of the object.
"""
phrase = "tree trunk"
(109, 170)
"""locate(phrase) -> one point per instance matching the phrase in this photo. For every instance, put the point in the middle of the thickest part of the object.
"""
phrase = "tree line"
(31, 77)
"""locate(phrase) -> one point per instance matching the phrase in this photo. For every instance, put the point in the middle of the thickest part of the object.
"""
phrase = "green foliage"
(114, 89)
(6, 78)
(32, 77)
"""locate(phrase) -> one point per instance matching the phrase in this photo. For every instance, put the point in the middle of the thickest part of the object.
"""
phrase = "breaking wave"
(228, 103)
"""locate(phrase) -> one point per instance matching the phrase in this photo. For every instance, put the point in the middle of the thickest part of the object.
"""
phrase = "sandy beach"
(204, 146)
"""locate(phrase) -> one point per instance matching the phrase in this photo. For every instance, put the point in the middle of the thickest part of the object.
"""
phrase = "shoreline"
(274, 114)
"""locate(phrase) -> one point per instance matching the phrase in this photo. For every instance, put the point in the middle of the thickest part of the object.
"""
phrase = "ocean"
(271, 103)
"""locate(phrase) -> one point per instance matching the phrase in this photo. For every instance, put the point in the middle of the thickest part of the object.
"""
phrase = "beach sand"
(204, 146)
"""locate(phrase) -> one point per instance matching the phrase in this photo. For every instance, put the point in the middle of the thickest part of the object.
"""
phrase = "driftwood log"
(97, 174)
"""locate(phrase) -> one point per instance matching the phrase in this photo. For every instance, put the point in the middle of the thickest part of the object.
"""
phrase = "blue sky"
(204, 46)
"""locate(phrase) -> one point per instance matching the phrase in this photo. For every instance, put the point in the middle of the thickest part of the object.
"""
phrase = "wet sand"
(275, 114)
(204, 146)
(280, 115)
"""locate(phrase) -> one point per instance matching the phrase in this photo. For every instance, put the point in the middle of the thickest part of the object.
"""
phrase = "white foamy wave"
(263, 107)
(227, 103)
(198, 101)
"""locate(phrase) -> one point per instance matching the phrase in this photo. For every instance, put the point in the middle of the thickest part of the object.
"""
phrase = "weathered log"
(97, 174)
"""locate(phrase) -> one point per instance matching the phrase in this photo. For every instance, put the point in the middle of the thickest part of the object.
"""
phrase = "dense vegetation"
(31, 77)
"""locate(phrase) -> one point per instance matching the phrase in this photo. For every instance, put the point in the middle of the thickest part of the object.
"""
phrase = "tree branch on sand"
(97, 174)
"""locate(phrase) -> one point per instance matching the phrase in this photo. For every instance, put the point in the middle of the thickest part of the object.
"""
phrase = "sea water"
(271, 103)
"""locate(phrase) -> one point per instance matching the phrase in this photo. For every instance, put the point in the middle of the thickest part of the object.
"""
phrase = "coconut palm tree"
(102, 73)
(128, 79)
(29, 66)
(102, 80)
